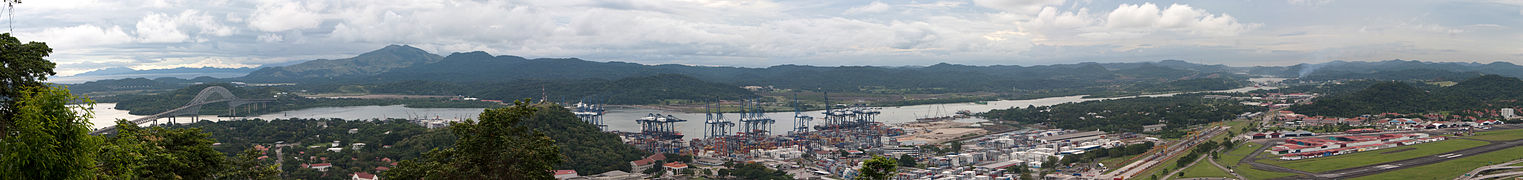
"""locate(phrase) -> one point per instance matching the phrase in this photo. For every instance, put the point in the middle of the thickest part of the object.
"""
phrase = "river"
(623, 119)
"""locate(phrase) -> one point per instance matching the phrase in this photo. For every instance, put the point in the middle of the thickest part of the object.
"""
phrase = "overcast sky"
(153, 34)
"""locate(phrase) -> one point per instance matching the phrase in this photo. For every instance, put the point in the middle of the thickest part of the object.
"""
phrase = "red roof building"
(363, 176)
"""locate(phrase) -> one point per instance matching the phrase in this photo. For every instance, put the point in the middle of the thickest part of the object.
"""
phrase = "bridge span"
(213, 94)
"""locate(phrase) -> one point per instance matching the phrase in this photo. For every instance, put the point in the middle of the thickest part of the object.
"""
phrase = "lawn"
(1251, 173)
(1231, 158)
(1503, 135)
(1452, 168)
(1324, 164)
(1204, 169)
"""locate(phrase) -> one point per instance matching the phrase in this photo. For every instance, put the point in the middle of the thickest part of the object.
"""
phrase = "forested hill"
(1390, 70)
(587, 149)
(1484, 92)
(367, 64)
(481, 67)
(633, 90)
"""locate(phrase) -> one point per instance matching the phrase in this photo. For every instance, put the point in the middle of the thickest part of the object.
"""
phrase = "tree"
(906, 160)
(21, 66)
(160, 153)
(956, 147)
(497, 147)
(877, 168)
(248, 166)
(1050, 163)
(48, 137)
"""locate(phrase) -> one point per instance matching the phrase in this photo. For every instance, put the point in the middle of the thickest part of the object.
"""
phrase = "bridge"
(214, 94)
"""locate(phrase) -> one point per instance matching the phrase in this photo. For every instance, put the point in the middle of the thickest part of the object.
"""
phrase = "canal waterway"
(623, 119)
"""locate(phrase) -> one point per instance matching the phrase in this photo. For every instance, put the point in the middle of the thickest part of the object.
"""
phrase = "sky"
(156, 34)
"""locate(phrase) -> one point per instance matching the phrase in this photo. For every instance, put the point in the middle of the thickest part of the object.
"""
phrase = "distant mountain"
(633, 90)
(1489, 91)
(367, 64)
(1389, 70)
(481, 67)
(130, 71)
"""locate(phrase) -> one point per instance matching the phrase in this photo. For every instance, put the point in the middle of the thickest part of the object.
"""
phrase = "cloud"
(874, 7)
(1018, 6)
(162, 28)
(270, 38)
(280, 15)
(92, 34)
(82, 36)
(1130, 21)
(1309, 2)
(159, 28)
(1177, 17)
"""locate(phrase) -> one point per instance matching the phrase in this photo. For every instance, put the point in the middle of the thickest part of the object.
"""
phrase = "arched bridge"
(214, 94)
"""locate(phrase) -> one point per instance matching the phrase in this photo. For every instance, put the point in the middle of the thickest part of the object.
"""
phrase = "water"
(623, 119)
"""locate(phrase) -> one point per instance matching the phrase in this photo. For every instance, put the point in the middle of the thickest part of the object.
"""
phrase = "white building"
(1509, 113)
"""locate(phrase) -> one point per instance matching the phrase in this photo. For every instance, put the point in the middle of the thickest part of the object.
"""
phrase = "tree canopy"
(877, 168)
(49, 138)
(496, 147)
(21, 65)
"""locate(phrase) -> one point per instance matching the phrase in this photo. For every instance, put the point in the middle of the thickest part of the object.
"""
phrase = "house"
(1259, 136)
(675, 166)
(1362, 130)
(565, 174)
(1152, 128)
(614, 174)
(642, 164)
(382, 168)
(321, 166)
(354, 131)
(362, 176)
(356, 145)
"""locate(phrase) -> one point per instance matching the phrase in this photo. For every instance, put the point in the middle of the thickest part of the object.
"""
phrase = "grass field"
(1452, 168)
(1324, 164)
(1251, 173)
(1231, 158)
(1204, 169)
(1502, 135)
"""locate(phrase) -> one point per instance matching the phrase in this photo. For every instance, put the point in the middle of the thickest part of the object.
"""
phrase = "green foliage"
(155, 103)
(1113, 152)
(586, 148)
(632, 90)
(48, 138)
(161, 153)
(1484, 92)
(21, 66)
(409, 141)
(497, 147)
(754, 171)
(247, 165)
(877, 168)
(906, 161)
(1127, 115)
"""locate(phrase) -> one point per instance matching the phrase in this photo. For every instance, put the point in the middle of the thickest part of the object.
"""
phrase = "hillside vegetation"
(1484, 92)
